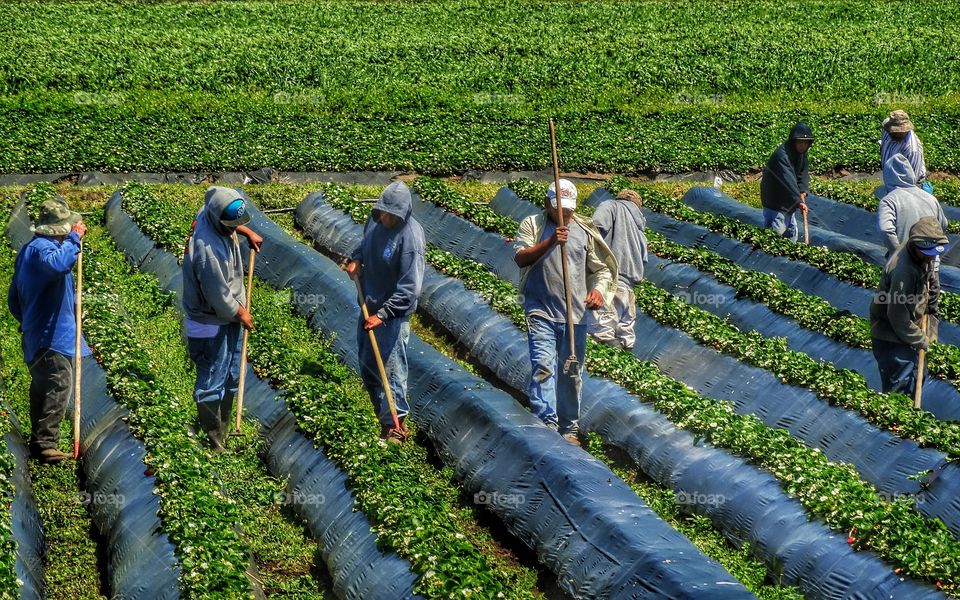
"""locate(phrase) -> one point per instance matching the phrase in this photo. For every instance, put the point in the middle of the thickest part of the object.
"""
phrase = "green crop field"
(441, 87)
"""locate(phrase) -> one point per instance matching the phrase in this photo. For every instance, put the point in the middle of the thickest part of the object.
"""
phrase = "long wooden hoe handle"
(384, 380)
(242, 383)
(77, 362)
(572, 364)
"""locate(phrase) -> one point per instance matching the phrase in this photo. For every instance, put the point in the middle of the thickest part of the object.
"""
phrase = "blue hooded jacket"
(392, 259)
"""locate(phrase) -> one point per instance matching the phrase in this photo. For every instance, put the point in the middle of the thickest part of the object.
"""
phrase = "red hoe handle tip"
(76, 448)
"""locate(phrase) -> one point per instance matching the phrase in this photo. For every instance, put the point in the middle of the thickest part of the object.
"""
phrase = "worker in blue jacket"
(786, 183)
(42, 299)
(390, 264)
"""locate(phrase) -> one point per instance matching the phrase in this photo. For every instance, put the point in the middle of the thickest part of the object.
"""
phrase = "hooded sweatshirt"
(786, 174)
(213, 286)
(907, 291)
(910, 147)
(904, 204)
(622, 226)
(392, 259)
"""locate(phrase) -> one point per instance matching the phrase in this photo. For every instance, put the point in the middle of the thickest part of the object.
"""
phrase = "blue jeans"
(554, 397)
(392, 339)
(898, 366)
(784, 223)
(218, 364)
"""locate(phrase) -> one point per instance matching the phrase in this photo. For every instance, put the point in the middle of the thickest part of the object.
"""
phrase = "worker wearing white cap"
(592, 268)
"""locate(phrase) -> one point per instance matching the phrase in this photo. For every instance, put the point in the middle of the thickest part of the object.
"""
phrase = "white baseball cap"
(568, 195)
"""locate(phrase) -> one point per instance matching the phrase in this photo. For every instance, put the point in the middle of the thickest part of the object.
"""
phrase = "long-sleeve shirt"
(911, 147)
(42, 296)
(907, 291)
(393, 259)
(623, 229)
(904, 204)
(592, 269)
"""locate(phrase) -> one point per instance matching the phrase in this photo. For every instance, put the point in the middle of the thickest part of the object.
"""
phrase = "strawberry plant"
(414, 508)
(831, 491)
(199, 519)
(649, 95)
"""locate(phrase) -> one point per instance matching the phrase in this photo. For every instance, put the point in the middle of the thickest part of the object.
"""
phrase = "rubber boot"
(208, 414)
(226, 407)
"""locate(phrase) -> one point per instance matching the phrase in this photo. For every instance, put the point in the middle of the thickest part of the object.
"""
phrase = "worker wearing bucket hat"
(42, 299)
(899, 137)
(214, 300)
(909, 289)
(592, 268)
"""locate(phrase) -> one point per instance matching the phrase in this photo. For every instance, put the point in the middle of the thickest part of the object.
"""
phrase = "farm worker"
(42, 299)
(904, 204)
(909, 289)
(390, 264)
(899, 138)
(554, 395)
(623, 227)
(214, 298)
(786, 181)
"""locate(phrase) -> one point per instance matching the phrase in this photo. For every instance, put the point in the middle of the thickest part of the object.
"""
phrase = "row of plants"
(831, 491)
(414, 508)
(283, 551)
(199, 519)
(739, 562)
(457, 86)
(72, 567)
(842, 192)
(502, 296)
(12, 393)
(844, 266)
(842, 387)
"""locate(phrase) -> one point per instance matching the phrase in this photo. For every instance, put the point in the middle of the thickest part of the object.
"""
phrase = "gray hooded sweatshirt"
(623, 229)
(904, 204)
(213, 284)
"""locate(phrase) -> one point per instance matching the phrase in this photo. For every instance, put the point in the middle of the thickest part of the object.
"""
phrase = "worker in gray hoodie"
(214, 299)
(623, 228)
(904, 204)
(908, 290)
(390, 264)
(786, 182)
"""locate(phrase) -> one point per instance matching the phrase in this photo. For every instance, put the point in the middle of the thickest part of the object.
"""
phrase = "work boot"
(396, 436)
(216, 442)
(208, 413)
(226, 407)
(572, 438)
(51, 456)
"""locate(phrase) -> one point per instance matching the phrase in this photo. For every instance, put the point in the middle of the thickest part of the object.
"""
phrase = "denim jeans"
(51, 385)
(218, 369)
(784, 223)
(898, 366)
(392, 339)
(554, 397)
